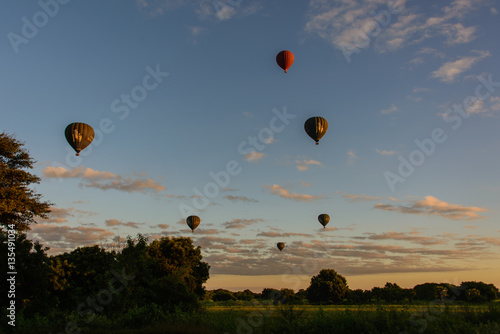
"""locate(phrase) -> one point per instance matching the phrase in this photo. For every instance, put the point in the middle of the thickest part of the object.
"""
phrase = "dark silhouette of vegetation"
(327, 287)
(19, 204)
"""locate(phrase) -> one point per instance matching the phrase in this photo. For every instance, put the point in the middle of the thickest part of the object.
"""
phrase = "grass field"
(265, 318)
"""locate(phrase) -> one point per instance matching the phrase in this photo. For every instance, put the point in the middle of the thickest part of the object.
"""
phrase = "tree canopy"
(19, 204)
(327, 287)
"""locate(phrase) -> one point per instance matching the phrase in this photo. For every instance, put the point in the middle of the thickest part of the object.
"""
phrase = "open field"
(268, 319)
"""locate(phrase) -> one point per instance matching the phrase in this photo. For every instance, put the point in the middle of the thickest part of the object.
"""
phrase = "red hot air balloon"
(285, 59)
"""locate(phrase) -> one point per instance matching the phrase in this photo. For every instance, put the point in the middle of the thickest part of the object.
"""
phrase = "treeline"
(144, 282)
(466, 292)
(157, 277)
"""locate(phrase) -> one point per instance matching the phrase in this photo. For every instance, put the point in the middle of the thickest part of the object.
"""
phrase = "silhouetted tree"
(222, 295)
(19, 204)
(327, 287)
(32, 281)
(485, 292)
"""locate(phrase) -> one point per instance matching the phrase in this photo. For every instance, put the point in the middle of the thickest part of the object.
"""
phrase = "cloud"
(351, 157)
(433, 206)
(419, 89)
(241, 223)
(458, 34)
(253, 156)
(57, 215)
(240, 198)
(194, 32)
(115, 222)
(390, 110)
(411, 237)
(495, 103)
(450, 70)
(248, 114)
(476, 106)
(384, 152)
(66, 238)
(353, 25)
(162, 226)
(159, 7)
(304, 164)
(285, 193)
(359, 198)
(103, 180)
(60, 215)
(283, 234)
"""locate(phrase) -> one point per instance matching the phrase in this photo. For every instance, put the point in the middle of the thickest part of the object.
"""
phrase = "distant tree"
(19, 204)
(270, 294)
(221, 295)
(440, 292)
(392, 292)
(327, 287)
(358, 296)
(487, 292)
(287, 296)
(376, 293)
(433, 291)
(244, 295)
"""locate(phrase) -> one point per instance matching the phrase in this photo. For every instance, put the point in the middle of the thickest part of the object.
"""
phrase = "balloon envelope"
(316, 127)
(280, 246)
(285, 59)
(79, 136)
(193, 222)
(324, 219)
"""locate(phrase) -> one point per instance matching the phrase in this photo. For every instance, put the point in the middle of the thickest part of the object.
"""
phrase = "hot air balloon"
(280, 245)
(79, 136)
(193, 222)
(285, 59)
(324, 219)
(316, 127)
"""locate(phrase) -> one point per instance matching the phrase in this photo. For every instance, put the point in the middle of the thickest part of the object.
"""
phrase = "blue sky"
(179, 90)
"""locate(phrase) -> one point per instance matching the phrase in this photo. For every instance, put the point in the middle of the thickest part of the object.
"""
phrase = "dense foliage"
(165, 275)
(327, 287)
(19, 204)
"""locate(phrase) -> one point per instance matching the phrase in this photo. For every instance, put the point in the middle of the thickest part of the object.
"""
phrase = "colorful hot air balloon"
(280, 246)
(324, 219)
(316, 128)
(79, 136)
(193, 222)
(285, 59)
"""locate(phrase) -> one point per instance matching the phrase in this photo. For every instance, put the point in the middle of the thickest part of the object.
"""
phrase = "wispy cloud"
(254, 156)
(385, 152)
(390, 110)
(103, 180)
(66, 238)
(283, 234)
(240, 199)
(351, 157)
(303, 165)
(352, 25)
(433, 206)
(285, 193)
(241, 223)
(61, 215)
(458, 34)
(411, 237)
(359, 198)
(116, 222)
(450, 70)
